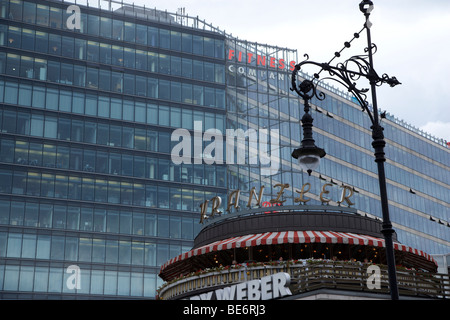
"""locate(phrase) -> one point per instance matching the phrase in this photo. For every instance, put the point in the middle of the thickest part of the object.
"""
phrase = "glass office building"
(92, 202)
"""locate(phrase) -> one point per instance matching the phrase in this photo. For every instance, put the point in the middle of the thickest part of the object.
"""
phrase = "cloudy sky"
(412, 36)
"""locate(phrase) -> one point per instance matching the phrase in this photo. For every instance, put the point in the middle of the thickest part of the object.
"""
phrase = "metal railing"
(310, 276)
(356, 277)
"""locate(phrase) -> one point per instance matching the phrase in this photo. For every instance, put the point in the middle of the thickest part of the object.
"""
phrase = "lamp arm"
(344, 76)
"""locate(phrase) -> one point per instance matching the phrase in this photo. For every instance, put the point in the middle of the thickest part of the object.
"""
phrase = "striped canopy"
(273, 238)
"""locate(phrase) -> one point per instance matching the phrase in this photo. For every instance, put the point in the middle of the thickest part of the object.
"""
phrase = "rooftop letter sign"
(233, 199)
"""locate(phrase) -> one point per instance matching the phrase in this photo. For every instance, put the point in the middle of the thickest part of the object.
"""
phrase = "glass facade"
(86, 171)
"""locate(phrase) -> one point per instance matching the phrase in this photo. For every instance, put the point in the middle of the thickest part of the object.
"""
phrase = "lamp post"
(341, 73)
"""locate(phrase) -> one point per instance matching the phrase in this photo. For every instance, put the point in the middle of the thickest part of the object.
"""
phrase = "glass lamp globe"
(309, 162)
(308, 157)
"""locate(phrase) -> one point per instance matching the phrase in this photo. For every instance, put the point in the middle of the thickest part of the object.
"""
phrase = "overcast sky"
(412, 36)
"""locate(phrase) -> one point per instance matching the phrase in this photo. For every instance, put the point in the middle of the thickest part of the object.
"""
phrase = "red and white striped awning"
(269, 238)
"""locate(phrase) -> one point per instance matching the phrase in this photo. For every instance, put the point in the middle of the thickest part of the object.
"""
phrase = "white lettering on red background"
(262, 61)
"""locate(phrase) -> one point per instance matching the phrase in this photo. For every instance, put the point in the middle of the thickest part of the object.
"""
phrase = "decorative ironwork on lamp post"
(341, 73)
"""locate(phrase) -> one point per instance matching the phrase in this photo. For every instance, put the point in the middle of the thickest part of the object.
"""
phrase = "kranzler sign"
(267, 288)
(233, 199)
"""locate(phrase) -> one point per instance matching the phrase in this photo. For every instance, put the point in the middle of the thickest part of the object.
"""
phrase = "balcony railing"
(311, 275)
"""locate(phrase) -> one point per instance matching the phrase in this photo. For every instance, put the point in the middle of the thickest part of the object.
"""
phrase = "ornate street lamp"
(309, 154)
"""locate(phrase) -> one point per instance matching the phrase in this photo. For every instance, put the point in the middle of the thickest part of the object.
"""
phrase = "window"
(38, 100)
(29, 246)
(175, 117)
(130, 29)
(42, 16)
(67, 47)
(186, 68)
(78, 103)
(141, 60)
(85, 249)
(197, 45)
(175, 66)
(105, 53)
(117, 55)
(164, 116)
(28, 39)
(49, 155)
(141, 89)
(115, 136)
(50, 130)
(116, 81)
(152, 88)
(141, 34)
(152, 36)
(219, 49)
(92, 78)
(209, 71)
(175, 91)
(62, 160)
(76, 158)
(208, 47)
(152, 61)
(138, 188)
(12, 64)
(55, 18)
(71, 248)
(102, 134)
(93, 51)
(164, 38)
(164, 90)
(80, 49)
(128, 107)
(105, 27)
(5, 182)
(198, 95)
(65, 101)
(219, 73)
(175, 40)
(129, 85)
(24, 95)
(186, 43)
(104, 80)
(91, 108)
(163, 227)
(117, 30)
(37, 125)
(66, 73)
(116, 109)
(186, 93)
(63, 129)
(198, 70)
(129, 57)
(90, 133)
(101, 192)
(164, 63)
(54, 44)
(128, 137)
(41, 42)
(93, 25)
(187, 120)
